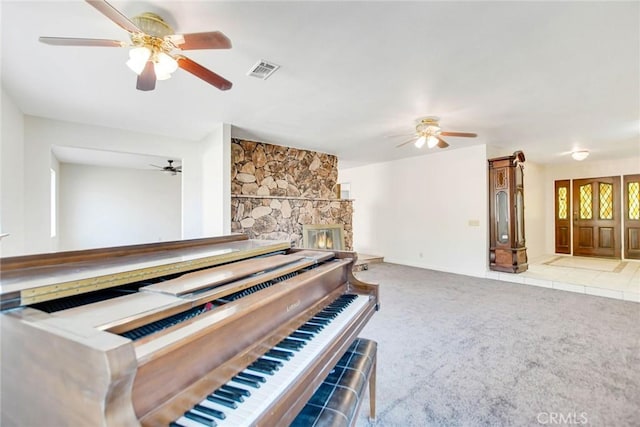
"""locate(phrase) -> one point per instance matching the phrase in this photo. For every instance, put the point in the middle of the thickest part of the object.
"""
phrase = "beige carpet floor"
(462, 351)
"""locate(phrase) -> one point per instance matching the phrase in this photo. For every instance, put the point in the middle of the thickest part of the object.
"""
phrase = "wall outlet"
(474, 223)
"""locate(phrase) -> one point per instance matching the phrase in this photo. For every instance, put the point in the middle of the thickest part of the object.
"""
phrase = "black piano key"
(210, 411)
(301, 335)
(260, 365)
(175, 424)
(309, 328)
(200, 419)
(288, 345)
(269, 362)
(319, 320)
(222, 401)
(236, 390)
(260, 369)
(254, 384)
(228, 395)
(326, 315)
(279, 354)
(251, 377)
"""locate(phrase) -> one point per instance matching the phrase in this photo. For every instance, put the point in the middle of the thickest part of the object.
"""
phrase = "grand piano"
(221, 331)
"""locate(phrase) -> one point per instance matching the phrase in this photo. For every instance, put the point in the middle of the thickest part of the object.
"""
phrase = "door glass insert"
(633, 194)
(503, 217)
(586, 200)
(520, 217)
(606, 200)
(562, 203)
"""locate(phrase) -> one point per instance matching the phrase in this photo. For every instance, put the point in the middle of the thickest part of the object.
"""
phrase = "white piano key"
(250, 410)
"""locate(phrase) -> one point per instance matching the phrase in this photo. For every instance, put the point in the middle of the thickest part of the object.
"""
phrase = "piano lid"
(65, 274)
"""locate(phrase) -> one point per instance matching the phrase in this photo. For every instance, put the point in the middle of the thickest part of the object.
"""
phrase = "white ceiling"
(107, 158)
(542, 77)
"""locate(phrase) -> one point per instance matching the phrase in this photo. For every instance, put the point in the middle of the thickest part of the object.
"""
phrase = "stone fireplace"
(277, 191)
(323, 236)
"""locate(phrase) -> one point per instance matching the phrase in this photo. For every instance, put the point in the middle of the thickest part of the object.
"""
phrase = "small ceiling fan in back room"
(428, 131)
(153, 43)
(169, 169)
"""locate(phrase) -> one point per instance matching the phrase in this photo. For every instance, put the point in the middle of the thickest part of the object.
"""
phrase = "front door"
(596, 210)
(631, 214)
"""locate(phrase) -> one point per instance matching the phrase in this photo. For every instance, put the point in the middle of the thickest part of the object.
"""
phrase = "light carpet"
(455, 350)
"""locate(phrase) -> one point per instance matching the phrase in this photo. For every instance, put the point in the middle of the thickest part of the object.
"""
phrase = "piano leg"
(372, 390)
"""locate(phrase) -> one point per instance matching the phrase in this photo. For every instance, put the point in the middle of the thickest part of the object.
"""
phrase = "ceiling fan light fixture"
(420, 141)
(138, 57)
(580, 155)
(166, 64)
(432, 141)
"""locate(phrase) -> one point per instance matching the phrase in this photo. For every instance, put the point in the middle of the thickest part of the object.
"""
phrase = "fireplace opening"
(323, 236)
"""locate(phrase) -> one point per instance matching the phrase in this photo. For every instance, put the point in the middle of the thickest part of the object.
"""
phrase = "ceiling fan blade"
(208, 40)
(68, 41)
(147, 78)
(442, 143)
(114, 14)
(406, 142)
(463, 134)
(204, 73)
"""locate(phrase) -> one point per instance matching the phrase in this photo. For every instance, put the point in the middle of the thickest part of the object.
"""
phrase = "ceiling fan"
(153, 42)
(428, 131)
(169, 169)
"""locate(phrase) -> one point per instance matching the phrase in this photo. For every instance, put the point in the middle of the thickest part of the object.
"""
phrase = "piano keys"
(262, 382)
(225, 331)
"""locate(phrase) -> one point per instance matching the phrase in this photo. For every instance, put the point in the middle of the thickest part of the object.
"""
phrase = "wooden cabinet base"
(508, 260)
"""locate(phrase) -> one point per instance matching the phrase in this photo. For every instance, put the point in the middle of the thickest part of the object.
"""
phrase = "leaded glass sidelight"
(606, 200)
(562, 203)
(586, 201)
(633, 194)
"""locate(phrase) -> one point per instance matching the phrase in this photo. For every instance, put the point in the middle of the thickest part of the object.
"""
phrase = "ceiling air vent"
(263, 69)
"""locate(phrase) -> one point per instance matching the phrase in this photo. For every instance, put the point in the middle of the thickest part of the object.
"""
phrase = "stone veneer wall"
(275, 190)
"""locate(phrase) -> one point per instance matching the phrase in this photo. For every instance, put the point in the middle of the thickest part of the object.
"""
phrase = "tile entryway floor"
(610, 278)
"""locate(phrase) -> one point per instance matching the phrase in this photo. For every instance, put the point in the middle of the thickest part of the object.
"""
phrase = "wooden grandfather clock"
(507, 250)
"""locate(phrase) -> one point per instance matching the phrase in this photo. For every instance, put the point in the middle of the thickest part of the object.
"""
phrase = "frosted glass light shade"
(580, 155)
(138, 57)
(420, 142)
(166, 64)
(432, 141)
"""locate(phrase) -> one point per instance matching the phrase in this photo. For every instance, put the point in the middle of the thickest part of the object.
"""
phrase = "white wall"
(536, 202)
(41, 134)
(11, 178)
(576, 170)
(216, 199)
(104, 206)
(418, 211)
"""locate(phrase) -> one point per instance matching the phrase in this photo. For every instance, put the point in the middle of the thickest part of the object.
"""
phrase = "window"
(54, 205)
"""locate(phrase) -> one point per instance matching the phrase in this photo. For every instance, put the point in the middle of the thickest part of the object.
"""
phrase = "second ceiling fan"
(153, 42)
(428, 131)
